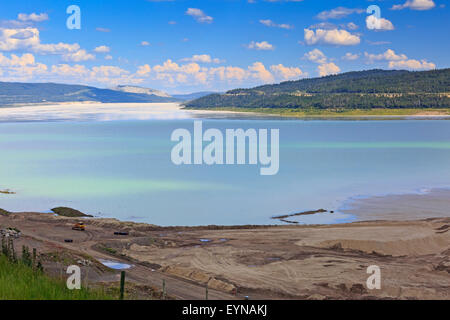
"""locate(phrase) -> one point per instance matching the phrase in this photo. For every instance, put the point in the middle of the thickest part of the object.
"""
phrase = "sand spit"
(283, 218)
(263, 262)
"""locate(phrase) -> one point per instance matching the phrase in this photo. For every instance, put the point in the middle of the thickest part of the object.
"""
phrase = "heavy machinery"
(79, 226)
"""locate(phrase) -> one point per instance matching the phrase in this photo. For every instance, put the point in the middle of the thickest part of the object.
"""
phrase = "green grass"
(108, 249)
(20, 282)
(4, 212)
(336, 113)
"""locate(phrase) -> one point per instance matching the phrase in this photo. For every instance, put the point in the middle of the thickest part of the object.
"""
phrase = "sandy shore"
(430, 203)
(96, 111)
(88, 111)
(262, 262)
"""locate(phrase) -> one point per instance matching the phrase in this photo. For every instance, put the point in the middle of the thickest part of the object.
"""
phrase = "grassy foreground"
(334, 113)
(20, 282)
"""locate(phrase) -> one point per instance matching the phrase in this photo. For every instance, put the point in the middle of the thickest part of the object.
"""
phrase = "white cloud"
(171, 73)
(145, 43)
(330, 37)
(330, 26)
(26, 68)
(23, 35)
(388, 55)
(415, 5)
(109, 75)
(24, 20)
(14, 61)
(170, 66)
(228, 73)
(17, 39)
(338, 13)
(66, 70)
(108, 57)
(352, 26)
(28, 72)
(32, 17)
(259, 71)
(168, 73)
(20, 68)
(316, 56)
(108, 71)
(323, 25)
(78, 56)
(202, 58)
(400, 61)
(270, 23)
(57, 48)
(263, 45)
(102, 49)
(144, 70)
(412, 64)
(286, 73)
(350, 56)
(382, 24)
(29, 39)
(327, 69)
(199, 15)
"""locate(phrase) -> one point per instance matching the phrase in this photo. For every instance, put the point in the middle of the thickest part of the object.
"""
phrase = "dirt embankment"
(276, 262)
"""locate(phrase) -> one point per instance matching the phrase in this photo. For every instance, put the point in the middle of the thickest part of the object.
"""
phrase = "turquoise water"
(122, 169)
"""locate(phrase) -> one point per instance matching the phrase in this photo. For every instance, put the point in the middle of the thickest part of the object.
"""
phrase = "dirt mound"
(200, 277)
(411, 247)
(121, 225)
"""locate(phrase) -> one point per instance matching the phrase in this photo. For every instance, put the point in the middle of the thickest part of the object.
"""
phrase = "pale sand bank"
(429, 204)
(93, 111)
(97, 111)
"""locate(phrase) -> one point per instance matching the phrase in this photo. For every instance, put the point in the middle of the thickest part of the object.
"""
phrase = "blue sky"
(182, 46)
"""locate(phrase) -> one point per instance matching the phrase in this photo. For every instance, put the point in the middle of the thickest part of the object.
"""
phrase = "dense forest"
(352, 90)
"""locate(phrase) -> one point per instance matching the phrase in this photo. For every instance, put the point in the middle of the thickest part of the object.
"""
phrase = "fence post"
(34, 258)
(87, 278)
(122, 284)
(164, 289)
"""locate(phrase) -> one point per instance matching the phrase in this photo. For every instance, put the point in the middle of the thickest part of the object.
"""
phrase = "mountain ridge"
(142, 90)
(352, 90)
(21, 93)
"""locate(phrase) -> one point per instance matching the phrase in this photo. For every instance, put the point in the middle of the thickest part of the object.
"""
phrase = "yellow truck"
(79, 226)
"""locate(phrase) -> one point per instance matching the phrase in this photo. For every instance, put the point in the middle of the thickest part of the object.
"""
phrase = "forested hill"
(351, 90)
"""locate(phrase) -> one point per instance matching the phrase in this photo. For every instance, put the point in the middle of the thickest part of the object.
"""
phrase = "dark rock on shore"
(69, 212)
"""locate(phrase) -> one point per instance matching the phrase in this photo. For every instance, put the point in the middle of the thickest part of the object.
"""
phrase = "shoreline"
(421, 204)
(426, 203)
(98, 111)
(371, 114)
